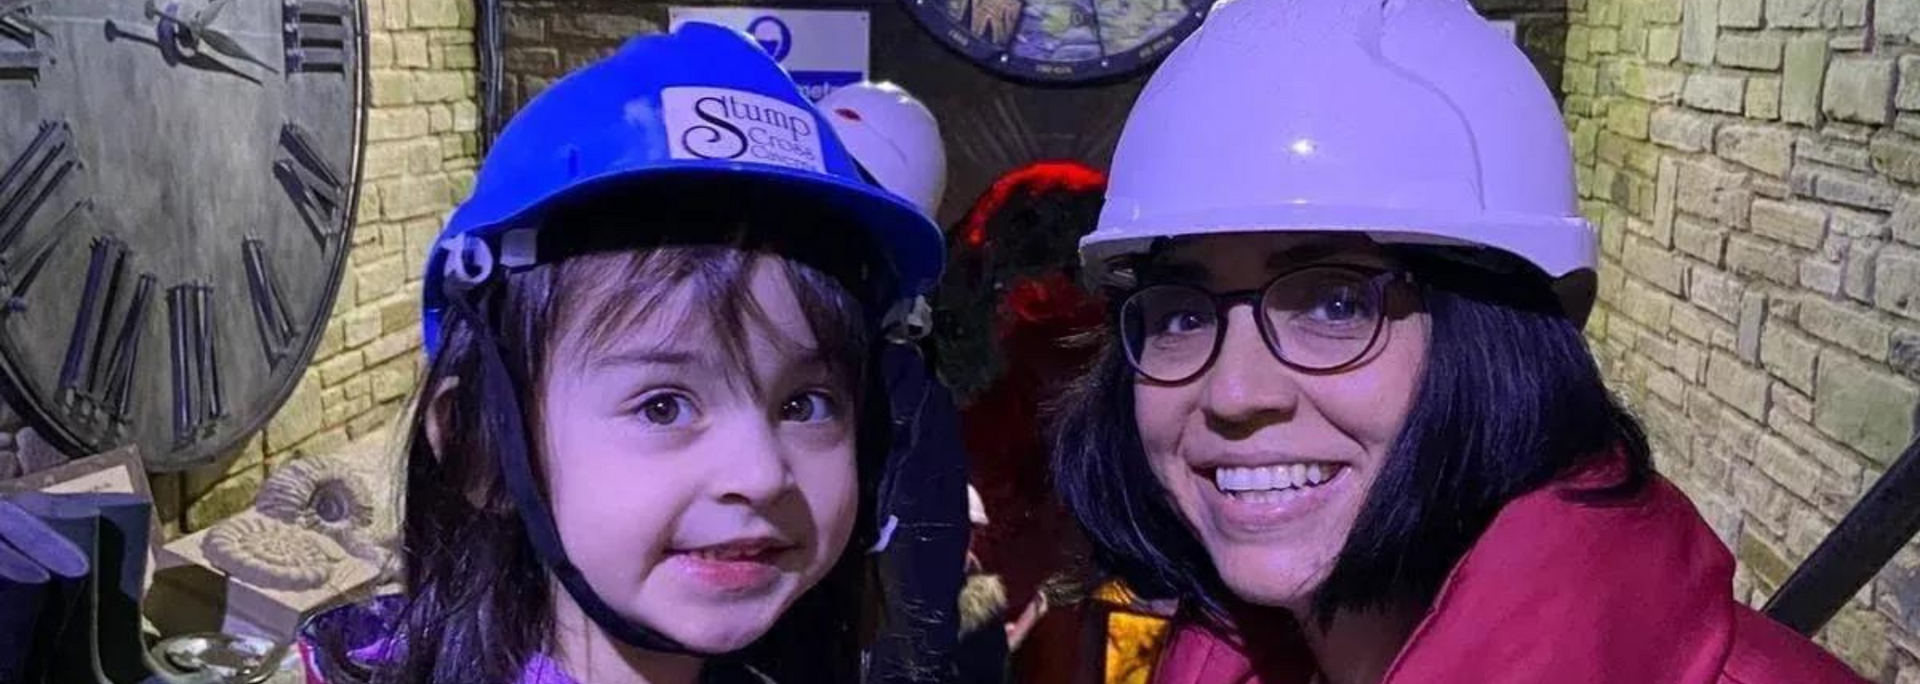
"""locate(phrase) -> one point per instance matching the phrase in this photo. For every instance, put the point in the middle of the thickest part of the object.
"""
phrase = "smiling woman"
(1345, 413)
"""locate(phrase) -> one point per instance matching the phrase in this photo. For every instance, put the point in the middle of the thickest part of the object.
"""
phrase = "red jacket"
(1559, 592)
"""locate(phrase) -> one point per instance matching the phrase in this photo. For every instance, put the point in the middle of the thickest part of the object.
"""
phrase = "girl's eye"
(667, 409)
(810, 407)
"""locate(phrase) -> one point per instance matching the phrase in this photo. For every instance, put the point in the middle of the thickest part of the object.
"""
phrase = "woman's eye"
(667, 409)
(809, 407)
(1341, 305)
(1183, 322)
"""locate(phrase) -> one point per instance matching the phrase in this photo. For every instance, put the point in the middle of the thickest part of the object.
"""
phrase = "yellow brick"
(339, 369)
(392, 88)
(405, 340)
(399, 315)
(299, 418)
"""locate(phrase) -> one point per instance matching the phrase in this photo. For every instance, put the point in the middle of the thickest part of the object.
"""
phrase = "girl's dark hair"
(478, 600)
(1509, 398)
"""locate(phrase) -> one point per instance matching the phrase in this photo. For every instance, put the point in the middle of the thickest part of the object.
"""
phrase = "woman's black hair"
(1509, 399)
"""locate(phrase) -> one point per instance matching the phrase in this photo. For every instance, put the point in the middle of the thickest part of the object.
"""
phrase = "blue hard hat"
(703, 104)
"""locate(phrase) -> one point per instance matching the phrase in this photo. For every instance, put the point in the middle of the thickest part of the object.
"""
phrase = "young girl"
(646, 438)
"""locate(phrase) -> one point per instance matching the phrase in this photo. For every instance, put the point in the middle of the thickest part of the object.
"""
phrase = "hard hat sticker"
(734, 125)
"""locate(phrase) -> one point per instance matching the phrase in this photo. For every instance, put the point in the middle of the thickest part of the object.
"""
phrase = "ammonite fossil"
(271, 554)
(319, 493)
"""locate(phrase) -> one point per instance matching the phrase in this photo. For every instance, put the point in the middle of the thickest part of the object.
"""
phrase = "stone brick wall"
(422, 147)
(1540, 26)
(1753, 166)
(544, 39)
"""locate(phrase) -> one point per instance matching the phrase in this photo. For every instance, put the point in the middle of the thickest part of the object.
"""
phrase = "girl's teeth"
(725, 554)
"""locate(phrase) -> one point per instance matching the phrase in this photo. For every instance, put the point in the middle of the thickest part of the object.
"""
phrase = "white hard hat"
(894, 137)
(1409, 120)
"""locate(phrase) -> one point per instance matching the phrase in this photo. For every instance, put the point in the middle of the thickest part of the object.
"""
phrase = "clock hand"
(207, 14)
(180, 47)
(214, 38)
(226, 45)
(219, 40)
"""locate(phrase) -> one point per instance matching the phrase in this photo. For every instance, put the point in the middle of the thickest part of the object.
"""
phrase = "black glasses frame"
(1377, 280)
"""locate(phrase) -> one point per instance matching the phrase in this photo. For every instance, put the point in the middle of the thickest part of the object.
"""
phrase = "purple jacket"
(365, 629)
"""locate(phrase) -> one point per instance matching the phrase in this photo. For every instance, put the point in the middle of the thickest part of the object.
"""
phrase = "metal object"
(211, 658)
(1878, 526)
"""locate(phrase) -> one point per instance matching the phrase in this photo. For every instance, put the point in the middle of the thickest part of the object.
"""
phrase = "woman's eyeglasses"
(1318, 318)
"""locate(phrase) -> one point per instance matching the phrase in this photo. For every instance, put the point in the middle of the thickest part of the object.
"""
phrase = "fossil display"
(312, 514)
(320, 493)
(271, 554)
(332, 495)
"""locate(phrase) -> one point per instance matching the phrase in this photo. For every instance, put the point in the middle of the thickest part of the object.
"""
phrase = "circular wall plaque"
(1061, 41)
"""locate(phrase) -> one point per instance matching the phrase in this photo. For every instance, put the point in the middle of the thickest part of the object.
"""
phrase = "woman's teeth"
(1277, 478)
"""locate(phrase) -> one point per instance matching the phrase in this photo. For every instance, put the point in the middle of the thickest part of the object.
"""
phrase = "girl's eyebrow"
(642, 357)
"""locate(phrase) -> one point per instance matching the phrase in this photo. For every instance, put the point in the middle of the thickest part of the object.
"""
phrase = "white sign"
(821, 49)
(733, 125)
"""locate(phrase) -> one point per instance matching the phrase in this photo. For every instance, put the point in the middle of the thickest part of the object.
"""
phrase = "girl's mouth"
(735, 567)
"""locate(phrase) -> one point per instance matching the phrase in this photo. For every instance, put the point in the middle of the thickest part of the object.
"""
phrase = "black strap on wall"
(1878, 526)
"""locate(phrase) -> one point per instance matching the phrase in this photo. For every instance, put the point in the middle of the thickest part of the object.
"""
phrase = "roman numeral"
(21, 64)
(96, 378)
(36, 258)
(24, 61)
(315, 35)
(199, 401)
(32, 178)
(271, 314)
(310, 182)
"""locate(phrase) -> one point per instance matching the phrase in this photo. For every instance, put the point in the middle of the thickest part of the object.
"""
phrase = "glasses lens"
(1323, 317)
(1168, 331)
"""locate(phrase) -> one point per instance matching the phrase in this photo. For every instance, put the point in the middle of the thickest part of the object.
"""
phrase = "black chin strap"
(512, 449)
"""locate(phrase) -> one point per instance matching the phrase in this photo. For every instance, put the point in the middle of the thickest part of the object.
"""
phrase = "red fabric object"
(1031, 536)
(1029, 179)
(1038, 308)
(1562, 592)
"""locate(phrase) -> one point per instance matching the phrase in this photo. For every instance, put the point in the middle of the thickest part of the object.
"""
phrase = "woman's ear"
(439, 412)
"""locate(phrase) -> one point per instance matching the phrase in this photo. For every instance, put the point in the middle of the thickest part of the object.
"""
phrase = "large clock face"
(1061, 40)
(177, 186)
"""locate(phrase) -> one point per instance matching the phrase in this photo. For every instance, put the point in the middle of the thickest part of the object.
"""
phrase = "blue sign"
(821, 49)
(773, 36)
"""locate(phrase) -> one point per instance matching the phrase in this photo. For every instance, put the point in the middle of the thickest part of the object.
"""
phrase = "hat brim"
(896, 235)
